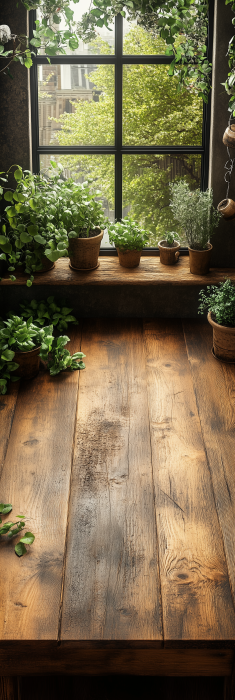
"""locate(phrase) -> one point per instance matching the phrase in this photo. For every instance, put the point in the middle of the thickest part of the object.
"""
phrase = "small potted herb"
(219, 301)
(129, 240)
(198, 220)
(169, 248)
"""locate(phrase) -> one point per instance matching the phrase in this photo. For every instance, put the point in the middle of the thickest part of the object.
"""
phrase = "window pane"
(154, 113)
(76, 105)
(105, 38)
(98, 169)
(136, 40)
(145, 188)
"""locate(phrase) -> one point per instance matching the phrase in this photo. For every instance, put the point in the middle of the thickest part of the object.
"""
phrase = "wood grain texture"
(36, 480)
(214, 386)
(7, 410)
(45, 658)
(150, 271)
(196, 597)
(112, 579)
(9, 688)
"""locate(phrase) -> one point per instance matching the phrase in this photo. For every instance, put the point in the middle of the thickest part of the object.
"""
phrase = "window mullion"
(118, 115)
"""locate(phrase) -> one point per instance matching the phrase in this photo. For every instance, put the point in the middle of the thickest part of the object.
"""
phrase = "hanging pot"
(227, 209)
(169, 255)
(229, 136)
(199, 260)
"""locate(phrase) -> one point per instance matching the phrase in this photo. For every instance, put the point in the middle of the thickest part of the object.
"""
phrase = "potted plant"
(169, 248)
(22, 340)
(219, 301)
(84, 220)
(33, 235)
(198, 220)
(26, 343)
(129, 240)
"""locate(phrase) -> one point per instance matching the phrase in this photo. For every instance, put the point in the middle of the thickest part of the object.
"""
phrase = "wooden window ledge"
(149, 272)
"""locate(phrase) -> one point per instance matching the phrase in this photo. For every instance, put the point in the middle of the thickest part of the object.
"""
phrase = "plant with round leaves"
(195, 214)
(220, 301)
(58, 358)
(127, 235)
(7, 366)
(48, 310)
(170, 237)
(6, 529)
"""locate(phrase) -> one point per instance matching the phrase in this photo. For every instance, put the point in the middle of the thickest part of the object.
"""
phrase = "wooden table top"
(149, 272)
(126, 472)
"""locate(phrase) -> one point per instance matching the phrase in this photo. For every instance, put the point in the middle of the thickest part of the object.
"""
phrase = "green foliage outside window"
(153, 113)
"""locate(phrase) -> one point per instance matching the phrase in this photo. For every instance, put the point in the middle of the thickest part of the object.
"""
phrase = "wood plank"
(214, 386)
(150, 272)
(196, 597)
(7, 410)
(43, 658)
(36, 479)
(112, 579)
(9, 688)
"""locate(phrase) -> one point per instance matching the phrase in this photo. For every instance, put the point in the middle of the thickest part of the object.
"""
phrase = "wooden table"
(126, 472)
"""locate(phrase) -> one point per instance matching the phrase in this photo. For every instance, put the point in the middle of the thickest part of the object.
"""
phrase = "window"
(110, 112)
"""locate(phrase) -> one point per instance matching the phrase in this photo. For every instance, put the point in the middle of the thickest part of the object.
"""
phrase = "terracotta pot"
(28, 362)
(84, 252)
(229, 136)
(169, 255)
(129, 258)
(199, 260)
(46, 265)
(227, 208)
(223, 341)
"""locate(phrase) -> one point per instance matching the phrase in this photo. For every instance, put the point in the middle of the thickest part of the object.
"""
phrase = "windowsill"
(149, 272)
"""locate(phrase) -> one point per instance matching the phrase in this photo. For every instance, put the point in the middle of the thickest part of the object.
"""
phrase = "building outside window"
(109, 112)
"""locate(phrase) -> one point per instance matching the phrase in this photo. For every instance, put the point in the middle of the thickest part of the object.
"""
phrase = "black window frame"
(118, 59)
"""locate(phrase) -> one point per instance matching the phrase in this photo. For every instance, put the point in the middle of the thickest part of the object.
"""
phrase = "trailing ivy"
(6, 529)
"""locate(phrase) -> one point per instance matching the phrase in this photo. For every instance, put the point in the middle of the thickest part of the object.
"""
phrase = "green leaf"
(11, 211)
(40, 239)
(18, 174)
(25, 237)
(20, 549)
(32, 229)
(3, 240)
(5, 508)
(8, 196)
(28, 538)
(7, 355)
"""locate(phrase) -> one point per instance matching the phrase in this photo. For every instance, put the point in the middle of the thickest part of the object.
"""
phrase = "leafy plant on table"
(48, 310)
(195, 213)
(6, 529)
(220, 301)
(127, 235)
(58, 358)
(7, 366)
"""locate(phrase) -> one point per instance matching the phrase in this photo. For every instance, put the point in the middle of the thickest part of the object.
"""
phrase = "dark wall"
(224, 239)
(14, 111)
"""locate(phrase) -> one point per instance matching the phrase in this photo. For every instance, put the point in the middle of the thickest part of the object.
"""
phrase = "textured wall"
(14, 112)
(224, 239)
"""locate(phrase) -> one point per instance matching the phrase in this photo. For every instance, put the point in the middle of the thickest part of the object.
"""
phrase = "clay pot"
(46, 265)
(84, 252)
(223, 341)
(169, 255)
(229, 136)
(227, 208)
(129, 258)
(199, 260)
(28, 362)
